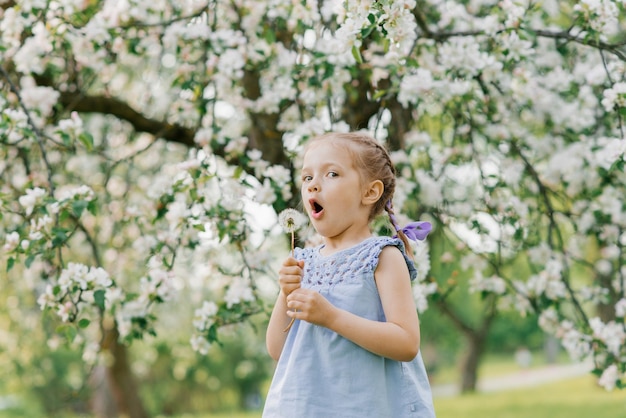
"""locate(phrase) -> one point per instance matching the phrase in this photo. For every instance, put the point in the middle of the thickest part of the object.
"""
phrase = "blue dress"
(322, 374)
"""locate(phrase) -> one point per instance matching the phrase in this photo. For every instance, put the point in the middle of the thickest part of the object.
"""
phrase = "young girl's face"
(332, 190)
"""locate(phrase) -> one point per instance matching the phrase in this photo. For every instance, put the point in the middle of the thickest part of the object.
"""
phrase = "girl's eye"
(306, 178)
(332, 174)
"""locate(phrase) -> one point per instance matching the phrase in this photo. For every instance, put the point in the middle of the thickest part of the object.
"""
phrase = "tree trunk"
(469, 371)
(115, 390)
(606, 311)
(551, 347)
(476, 340)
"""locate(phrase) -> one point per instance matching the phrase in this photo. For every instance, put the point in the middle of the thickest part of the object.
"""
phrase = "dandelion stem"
(291, 219)
(290, 324)
(293, 240)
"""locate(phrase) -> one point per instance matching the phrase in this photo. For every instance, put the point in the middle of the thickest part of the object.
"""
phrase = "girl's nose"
(313, 186)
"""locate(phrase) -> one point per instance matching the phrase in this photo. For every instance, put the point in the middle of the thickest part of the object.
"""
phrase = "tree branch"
(455, 318)
(112, 106)
(612, 48)
(7, 5)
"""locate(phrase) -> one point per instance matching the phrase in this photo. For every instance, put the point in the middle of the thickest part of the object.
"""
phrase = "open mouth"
(316, 209)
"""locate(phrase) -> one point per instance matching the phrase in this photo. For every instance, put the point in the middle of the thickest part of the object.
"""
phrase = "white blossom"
(577, 344)
(421, 293)
(265, 193)
(415, 86)
(11, 242)
(548, 320)
(614, 96)
(64, 311)
(32, 198)
(487, 284)
(83, 192)
(279, 174)
(90, 353)
(609, 377)
(200, 344)
(30, 57)
(612, 334)
(38, 98)
(601, 14)
(620, 308)
(239, 291)
(204, 317)
(73, 126)
(47, 298)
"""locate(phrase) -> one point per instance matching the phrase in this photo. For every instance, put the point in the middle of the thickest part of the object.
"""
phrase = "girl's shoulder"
(379, 243)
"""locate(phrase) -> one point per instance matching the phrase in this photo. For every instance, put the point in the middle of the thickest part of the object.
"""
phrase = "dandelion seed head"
(291, 220)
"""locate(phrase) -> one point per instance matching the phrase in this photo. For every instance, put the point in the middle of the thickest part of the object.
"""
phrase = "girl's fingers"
(300, 299)
(289, 281)
(308, 305)
(290, 261)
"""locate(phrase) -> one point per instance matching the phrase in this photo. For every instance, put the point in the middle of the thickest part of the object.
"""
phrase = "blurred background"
(146, 147)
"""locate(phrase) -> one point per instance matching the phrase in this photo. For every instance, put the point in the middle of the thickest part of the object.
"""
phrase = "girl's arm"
(398, 338)
(289, 277)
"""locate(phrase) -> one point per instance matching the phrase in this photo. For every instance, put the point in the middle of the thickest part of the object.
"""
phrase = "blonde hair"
(374, 163)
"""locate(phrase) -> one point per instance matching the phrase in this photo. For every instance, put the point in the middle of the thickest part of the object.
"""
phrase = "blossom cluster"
(77, 287)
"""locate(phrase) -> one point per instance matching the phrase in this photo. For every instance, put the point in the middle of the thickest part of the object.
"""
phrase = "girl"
(353, 350)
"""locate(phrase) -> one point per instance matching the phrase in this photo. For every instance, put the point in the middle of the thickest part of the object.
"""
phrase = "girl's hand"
(310, 306)
(290, 275)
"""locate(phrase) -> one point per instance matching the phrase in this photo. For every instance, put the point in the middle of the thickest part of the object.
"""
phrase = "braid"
(399, 231)
(382, 169)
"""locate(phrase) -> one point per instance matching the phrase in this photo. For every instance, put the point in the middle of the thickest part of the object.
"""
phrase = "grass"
(493, 365)
(574, 398)
(578, 397)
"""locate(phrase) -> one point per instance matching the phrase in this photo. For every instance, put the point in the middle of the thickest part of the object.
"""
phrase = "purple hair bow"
(416, 231)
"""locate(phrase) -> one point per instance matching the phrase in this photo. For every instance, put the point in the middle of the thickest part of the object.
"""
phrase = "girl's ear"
(373, 192)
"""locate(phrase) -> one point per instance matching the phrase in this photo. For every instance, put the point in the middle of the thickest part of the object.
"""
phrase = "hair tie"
(415, 231)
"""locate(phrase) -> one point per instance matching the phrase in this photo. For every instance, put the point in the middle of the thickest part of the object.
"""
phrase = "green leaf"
(63, 215)
(379, 94)
(212, 334)
(98, 297)
(67, 141)
(87, 140)
(29, 260)
(78, 206)
(59, 236)
(84, 323)
(365, 32)
(356, 53)
(68, 330)
(92, 207)
(269, 36)
(10, 263)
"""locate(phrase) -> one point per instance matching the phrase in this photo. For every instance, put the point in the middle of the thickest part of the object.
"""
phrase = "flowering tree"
(136, 136)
